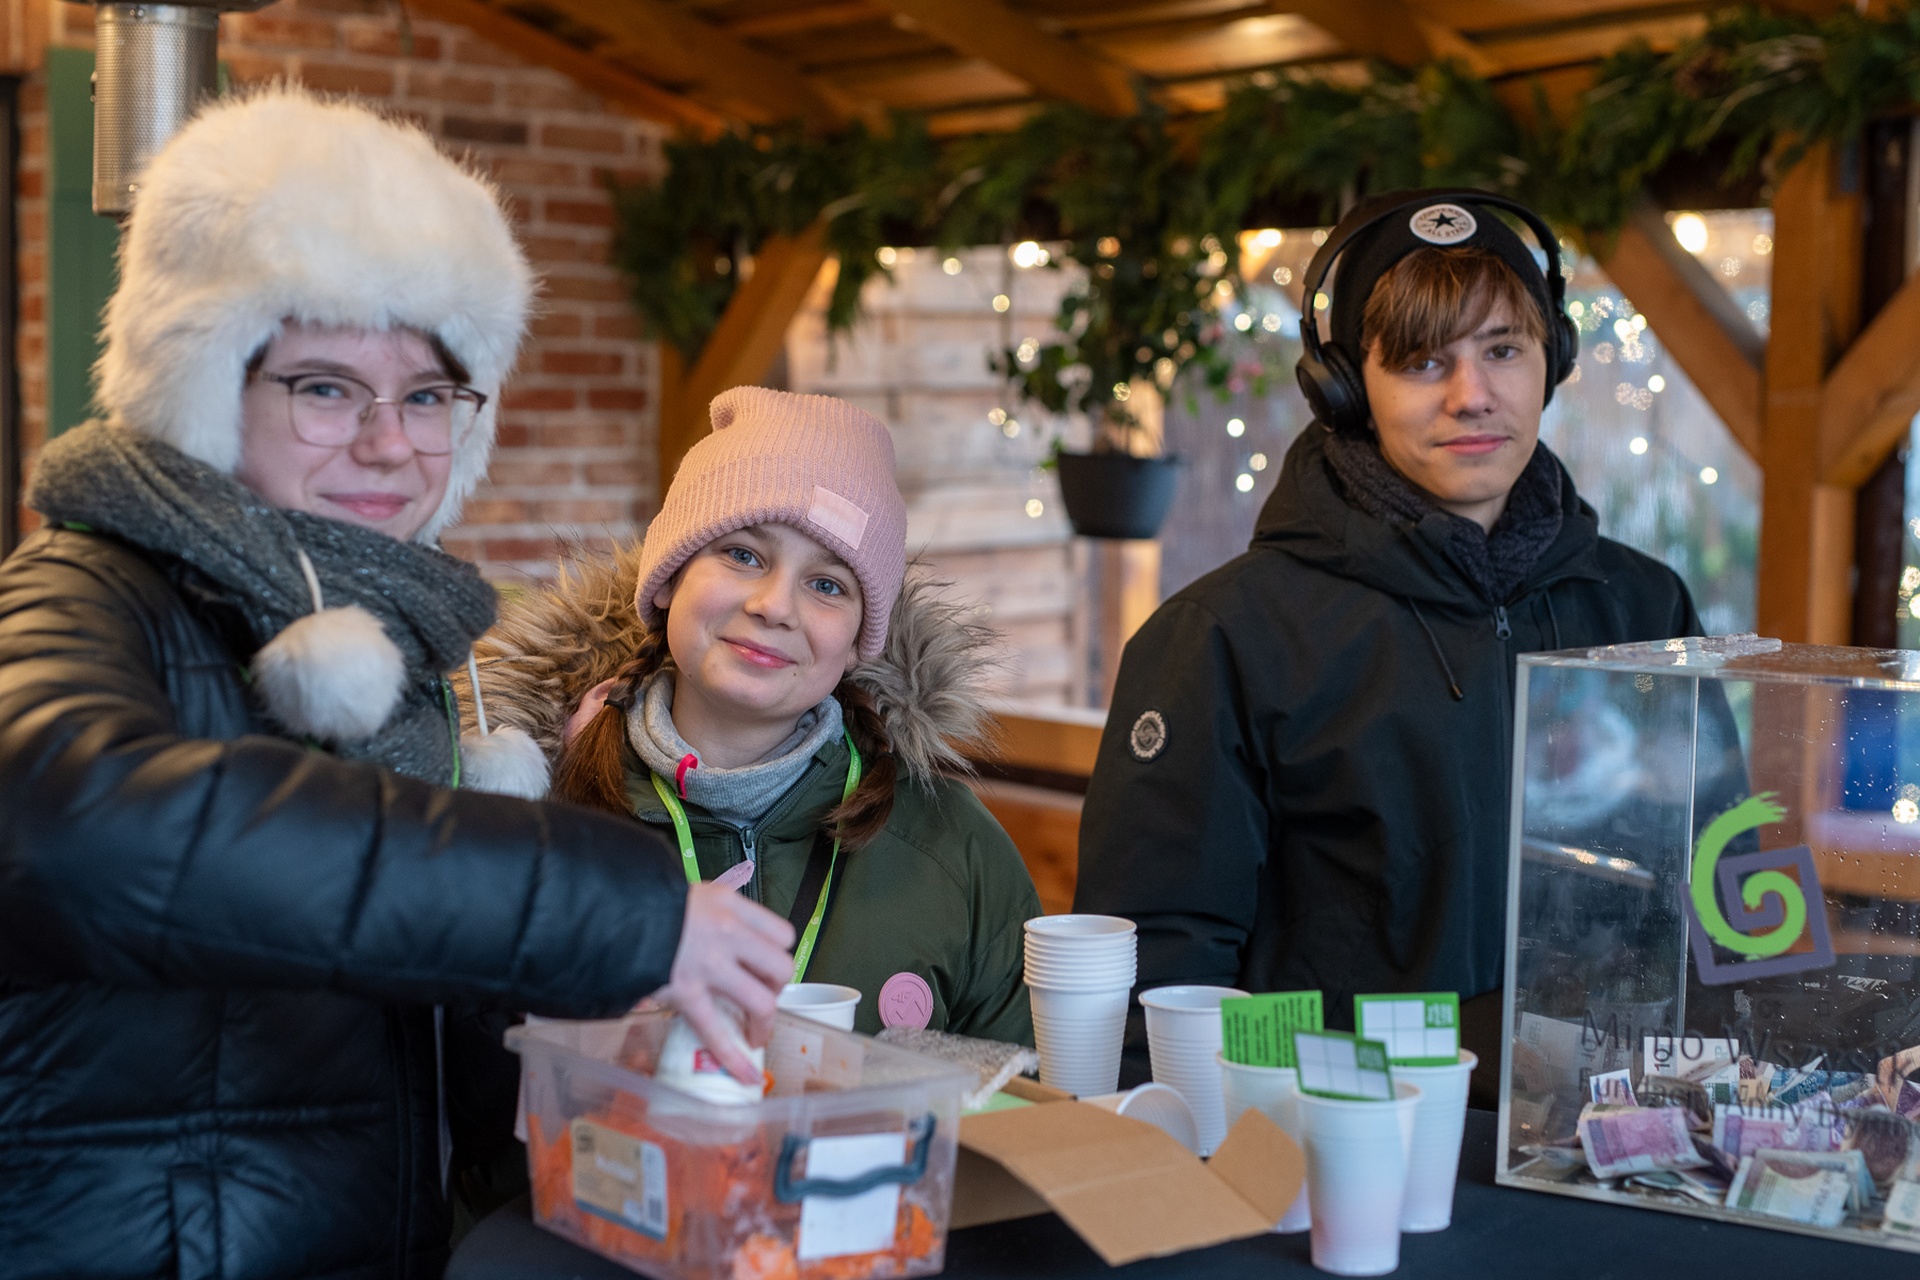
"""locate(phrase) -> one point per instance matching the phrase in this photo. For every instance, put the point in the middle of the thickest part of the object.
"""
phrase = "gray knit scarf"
(740, 796)
(1495, 562)
(243, 551)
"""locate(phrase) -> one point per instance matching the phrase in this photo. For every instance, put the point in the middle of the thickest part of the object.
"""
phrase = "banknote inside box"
(1713, 934)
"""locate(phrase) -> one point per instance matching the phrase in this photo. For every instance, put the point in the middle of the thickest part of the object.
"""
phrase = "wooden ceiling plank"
(675, 44)
(1590, 44)
(992, 32)
(809, 18)
(642, 97)
(1392, 30)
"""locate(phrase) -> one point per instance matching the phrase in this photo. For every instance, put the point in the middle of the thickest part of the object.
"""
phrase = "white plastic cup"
(1157, 1105)
(1080, 953)
(1183, 1041)
(1357, 1154)
(1433, 1163)
(1274, 1093)
(1079, 1035)
(824, 1002)
(1079, 926)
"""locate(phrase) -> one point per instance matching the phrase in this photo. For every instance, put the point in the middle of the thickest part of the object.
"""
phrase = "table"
(1498, 1233)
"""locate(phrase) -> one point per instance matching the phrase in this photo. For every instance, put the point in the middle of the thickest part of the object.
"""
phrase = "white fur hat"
(280, 205)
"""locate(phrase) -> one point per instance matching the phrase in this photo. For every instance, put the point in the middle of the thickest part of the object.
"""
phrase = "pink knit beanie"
(774, 457)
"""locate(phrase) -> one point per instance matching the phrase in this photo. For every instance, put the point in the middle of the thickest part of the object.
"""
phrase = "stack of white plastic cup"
(1434, 1162)
(1275, 1093)
(1080, 969)
(1357, 1177)
(1183, 1042)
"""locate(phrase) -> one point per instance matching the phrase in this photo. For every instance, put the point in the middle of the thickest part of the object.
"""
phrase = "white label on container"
(620, 1178)
(834, 1225)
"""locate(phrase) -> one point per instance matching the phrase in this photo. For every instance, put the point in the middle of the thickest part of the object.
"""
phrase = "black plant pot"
(1116, 495)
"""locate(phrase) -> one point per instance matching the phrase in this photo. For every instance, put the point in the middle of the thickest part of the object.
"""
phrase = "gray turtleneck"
(740, 796)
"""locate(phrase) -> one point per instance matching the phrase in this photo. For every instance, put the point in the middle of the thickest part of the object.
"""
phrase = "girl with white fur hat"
(248, 885)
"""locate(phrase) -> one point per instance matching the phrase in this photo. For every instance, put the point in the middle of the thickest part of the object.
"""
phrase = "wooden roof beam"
(673, 45)
(992, 32)
(642, 97)
(1695, 319)
(1873, 393)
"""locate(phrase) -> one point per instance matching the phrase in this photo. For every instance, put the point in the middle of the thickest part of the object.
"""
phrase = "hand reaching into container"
(733, 948)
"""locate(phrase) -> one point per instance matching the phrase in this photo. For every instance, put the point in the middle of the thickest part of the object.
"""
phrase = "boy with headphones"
(1304, 778)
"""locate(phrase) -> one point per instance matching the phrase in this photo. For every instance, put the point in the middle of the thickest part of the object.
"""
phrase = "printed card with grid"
(1420, 1029)
(1335, 1064)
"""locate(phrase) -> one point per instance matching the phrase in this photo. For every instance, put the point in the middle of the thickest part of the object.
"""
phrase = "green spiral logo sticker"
(1768, 912)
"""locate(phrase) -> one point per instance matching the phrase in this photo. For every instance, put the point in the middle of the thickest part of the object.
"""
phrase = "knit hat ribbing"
(774, 457)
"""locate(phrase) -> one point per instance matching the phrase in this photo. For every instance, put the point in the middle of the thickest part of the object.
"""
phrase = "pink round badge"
(906, 1001)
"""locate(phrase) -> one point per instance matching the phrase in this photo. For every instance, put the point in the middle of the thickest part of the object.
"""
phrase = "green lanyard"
(691, 865)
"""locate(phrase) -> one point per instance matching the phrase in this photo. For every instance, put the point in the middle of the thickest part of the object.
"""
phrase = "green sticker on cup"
(1336, 1064)
(1420, 1029)
(1257, 1031)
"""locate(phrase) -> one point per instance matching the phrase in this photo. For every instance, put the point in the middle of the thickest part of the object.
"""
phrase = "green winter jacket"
(941, 894)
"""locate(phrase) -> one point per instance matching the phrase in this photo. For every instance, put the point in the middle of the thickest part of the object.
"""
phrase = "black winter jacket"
(220, 950)
(1320, 810)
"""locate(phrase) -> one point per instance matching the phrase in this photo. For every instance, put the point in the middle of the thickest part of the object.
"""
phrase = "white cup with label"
(823, 1002)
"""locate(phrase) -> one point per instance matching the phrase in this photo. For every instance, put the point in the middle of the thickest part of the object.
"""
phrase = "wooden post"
(1806, 527)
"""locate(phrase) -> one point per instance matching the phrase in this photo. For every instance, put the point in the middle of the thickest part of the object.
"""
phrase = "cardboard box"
(1128, 1189)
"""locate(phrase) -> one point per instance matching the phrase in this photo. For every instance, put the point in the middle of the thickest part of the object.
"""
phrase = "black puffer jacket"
(1290, 795)
(220, 951)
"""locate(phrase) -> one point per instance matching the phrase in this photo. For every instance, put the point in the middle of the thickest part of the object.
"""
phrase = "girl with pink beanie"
(758, 682)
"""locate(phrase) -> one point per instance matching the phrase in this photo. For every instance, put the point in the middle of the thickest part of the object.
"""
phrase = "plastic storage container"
(1713, 931)
(844, 1171)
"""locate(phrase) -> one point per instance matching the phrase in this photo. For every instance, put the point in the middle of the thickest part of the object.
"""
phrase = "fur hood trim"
(555, 643)
(281, 205)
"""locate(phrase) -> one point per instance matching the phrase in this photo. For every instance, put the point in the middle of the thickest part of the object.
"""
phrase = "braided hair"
(592, 769)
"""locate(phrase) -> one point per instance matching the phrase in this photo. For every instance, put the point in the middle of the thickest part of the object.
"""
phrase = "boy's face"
(1461, 422)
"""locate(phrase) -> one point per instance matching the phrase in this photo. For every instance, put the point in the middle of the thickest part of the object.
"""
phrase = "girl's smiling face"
(762, 624)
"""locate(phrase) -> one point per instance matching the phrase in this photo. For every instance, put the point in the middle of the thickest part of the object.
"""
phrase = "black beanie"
(1444, 224)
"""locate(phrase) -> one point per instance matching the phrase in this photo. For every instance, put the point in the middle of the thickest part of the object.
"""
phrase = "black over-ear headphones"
(1330, 377)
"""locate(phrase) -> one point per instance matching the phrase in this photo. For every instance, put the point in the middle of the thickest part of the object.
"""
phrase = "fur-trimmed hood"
(555, 643)
(277, 205)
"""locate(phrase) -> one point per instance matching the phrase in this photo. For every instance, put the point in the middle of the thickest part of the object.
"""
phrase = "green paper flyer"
(1338, 1064)
(1257, 1031)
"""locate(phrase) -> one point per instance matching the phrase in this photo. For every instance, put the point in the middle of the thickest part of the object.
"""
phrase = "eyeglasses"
(328, 410)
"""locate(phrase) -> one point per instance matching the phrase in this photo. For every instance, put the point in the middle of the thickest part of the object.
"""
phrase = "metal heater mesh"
(153, 64)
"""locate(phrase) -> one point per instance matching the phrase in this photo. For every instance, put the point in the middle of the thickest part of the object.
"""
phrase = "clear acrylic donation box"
(1713, 928)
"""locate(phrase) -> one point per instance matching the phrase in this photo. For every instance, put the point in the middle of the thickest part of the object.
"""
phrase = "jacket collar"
(1307, 518)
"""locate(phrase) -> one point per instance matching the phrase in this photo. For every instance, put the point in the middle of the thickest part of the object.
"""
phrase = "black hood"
(1309, 519)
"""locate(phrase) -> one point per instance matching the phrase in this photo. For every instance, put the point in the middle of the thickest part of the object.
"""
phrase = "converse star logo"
(1443, 224)
(1148, 737)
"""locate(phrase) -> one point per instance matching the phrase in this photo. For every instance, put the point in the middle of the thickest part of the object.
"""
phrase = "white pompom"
(505, 762)
(333, 675)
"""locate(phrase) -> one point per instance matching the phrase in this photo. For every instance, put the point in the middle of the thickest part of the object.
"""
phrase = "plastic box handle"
(788, 1190)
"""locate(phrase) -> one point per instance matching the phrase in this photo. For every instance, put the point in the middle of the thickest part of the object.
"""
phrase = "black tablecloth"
(1497, 1232)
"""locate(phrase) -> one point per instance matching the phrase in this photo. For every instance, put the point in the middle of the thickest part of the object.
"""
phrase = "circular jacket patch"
(906, 1001)
(1148, 736)
(1443, 224)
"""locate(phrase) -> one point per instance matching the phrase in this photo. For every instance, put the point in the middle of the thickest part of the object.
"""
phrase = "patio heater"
(153, 66)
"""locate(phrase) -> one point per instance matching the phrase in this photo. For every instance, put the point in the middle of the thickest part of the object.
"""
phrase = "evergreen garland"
(1151, 206)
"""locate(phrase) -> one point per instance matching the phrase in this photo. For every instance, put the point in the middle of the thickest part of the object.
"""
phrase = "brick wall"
(575, 460)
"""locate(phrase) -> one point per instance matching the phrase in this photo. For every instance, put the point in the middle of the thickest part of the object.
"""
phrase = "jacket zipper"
(1502, 629)
(749, 836)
